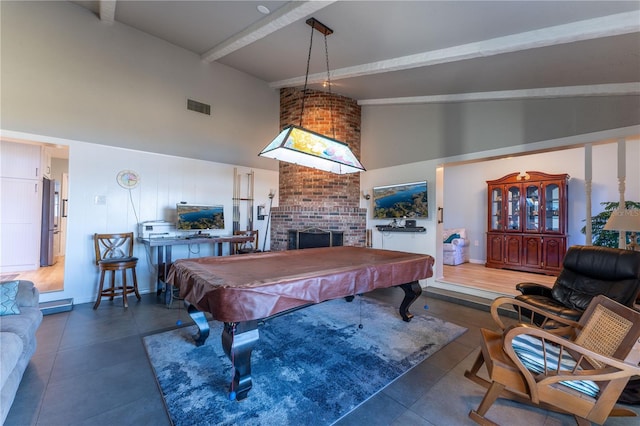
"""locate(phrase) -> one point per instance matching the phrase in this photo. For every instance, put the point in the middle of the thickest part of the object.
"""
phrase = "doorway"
(42, 238)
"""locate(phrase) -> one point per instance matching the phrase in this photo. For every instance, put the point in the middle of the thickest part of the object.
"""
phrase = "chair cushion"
(451, 238)
(28, 294)
(118, 260)
(462, 232)
(589, 271)
(8, 295)
(530, 351)
(550, 305)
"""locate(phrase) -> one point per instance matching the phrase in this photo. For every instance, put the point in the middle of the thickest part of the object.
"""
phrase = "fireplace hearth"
(313, 238)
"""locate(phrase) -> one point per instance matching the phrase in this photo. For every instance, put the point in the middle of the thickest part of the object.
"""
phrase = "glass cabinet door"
(552, 208)
(532, 208)
(513, 208)
(496, 209)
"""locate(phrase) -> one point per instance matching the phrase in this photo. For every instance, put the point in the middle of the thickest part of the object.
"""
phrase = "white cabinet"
(20, 160)
(20, 206)
(46, 162)
(20, 210)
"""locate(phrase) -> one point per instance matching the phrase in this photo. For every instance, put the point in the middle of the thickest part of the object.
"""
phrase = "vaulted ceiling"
(386, 52)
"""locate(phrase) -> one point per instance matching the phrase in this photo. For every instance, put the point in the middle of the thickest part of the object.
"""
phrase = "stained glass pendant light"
(304, 147)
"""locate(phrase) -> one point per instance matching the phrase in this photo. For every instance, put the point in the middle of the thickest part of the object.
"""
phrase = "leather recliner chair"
(587, 272)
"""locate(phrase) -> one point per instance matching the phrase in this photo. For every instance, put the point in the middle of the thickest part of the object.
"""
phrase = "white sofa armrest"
(462, 242)
(28, 294)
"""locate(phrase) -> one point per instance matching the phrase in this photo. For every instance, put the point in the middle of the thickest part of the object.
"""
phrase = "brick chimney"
(310, 198)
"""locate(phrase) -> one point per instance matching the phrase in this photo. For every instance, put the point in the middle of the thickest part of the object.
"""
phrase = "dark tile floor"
(90, 368)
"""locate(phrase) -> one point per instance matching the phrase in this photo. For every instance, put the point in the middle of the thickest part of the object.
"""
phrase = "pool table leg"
(238, 341)
(201, 321)
(412, 291)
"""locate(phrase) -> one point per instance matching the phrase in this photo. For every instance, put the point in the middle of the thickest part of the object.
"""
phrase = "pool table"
(244, 290)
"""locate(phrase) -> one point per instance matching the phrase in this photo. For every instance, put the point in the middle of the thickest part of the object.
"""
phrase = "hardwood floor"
(495, 280)
(46, 278)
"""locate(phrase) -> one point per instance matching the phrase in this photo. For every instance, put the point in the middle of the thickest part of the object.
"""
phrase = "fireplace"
(314, 237)
(309, 198)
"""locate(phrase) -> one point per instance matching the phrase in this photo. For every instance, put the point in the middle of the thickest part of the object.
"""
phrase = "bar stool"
(114, 252)
(247, 246)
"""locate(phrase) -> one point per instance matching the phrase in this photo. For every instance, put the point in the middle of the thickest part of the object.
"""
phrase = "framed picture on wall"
(401, 200)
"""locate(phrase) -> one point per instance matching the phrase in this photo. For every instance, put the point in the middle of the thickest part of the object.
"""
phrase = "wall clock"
(128, 179)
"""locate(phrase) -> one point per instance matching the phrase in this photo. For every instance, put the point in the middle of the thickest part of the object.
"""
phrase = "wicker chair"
(597, 357)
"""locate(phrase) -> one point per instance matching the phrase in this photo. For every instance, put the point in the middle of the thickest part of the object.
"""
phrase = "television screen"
(191, 216)
(403, 200)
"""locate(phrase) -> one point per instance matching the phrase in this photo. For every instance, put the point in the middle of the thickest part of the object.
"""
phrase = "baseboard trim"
(56, 306)
(467, 296)
(466, 290)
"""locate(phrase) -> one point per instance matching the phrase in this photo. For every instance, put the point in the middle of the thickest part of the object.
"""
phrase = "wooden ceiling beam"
(286, 15)
(108, 11)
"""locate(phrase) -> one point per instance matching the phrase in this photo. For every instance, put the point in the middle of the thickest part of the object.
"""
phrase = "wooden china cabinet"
(527, 228)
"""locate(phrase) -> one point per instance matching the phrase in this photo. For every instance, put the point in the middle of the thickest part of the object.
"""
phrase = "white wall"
(464, 189)
(423, 242)
(94, 86)
(117, 97)
(67, 74)
(398, 134)
(465, 186)
(165, 181)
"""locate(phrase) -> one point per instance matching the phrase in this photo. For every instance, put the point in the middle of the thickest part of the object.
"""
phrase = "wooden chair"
(598, 356)
(114, 252)
(248, 246)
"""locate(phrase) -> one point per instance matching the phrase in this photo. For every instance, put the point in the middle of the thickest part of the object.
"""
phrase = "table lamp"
(625, 220)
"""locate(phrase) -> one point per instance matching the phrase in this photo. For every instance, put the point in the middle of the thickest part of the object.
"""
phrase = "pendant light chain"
(317, 150)
(306, 75)
(326, 55)
(297, 145)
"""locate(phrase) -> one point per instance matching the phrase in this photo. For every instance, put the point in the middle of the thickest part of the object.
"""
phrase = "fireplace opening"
(314, 237)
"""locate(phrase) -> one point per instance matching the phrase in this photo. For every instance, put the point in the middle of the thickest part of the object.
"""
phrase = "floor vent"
(56, 306)
(198, 107)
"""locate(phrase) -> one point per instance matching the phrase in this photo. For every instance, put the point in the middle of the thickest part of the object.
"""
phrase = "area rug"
(310, 367)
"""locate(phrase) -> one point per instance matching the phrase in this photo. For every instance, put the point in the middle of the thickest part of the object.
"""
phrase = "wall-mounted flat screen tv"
(402, 200)
(198, 216)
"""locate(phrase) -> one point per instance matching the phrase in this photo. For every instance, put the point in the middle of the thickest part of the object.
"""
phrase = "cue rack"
(238, 198)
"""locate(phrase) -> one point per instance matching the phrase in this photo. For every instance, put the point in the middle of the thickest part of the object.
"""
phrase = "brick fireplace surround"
(310, 198)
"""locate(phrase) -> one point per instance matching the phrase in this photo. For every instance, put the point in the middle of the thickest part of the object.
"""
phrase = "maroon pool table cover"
(255, 286)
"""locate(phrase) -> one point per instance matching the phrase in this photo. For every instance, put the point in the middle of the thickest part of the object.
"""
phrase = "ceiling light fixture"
(301, 146)
(263, 9)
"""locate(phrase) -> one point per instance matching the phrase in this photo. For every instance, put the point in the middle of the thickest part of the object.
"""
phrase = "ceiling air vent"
(198, 107)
